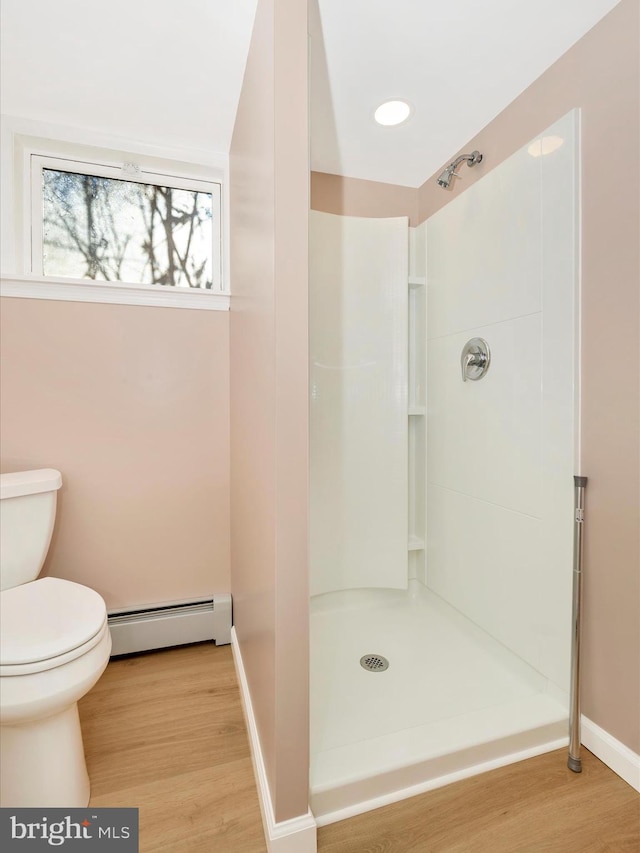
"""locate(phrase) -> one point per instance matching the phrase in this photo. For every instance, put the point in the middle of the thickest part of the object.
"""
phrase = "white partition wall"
(501, 452)
(358, 388)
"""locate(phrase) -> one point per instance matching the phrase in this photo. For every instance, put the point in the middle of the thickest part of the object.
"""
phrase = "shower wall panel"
(358, 420)
(501, 265)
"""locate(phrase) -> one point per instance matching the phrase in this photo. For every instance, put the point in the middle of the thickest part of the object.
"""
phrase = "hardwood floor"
(165, 732)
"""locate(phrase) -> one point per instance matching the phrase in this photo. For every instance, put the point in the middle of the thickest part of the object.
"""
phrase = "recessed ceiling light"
(545, 145)
(392, 112)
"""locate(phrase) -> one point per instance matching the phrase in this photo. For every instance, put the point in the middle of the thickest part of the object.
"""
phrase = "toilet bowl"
(54, 645)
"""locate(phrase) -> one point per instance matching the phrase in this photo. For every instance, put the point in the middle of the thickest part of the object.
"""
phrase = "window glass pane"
(113, 230)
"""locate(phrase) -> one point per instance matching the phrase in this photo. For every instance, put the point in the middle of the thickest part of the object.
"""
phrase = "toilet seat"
(47, 623)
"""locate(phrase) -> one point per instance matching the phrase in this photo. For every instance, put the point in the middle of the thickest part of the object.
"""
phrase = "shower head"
(445, 178)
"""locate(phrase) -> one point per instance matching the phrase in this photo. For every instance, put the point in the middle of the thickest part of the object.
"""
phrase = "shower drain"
(374, 663)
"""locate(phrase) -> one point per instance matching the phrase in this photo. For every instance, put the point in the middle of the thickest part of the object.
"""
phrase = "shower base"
(453, 702)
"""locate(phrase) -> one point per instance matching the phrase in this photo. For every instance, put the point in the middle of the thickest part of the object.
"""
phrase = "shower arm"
(472, 159)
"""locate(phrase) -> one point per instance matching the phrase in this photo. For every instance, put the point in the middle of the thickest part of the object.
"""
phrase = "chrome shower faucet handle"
(475, 359)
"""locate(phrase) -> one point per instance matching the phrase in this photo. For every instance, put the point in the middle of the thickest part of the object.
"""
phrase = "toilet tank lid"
(29, 482)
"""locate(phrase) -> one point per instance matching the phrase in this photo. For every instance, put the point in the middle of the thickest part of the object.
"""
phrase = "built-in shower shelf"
(417, 409)
(415, 543)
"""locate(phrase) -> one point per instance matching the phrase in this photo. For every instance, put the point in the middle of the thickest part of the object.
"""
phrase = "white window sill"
(80, 290)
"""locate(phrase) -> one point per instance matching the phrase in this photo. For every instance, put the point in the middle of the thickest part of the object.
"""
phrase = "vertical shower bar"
(575, 762)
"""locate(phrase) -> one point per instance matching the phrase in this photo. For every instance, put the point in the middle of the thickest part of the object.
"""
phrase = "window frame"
(126, 172)
(100, 154)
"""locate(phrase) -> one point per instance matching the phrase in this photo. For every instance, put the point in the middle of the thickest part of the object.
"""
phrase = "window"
(124, 225)
(81, 221)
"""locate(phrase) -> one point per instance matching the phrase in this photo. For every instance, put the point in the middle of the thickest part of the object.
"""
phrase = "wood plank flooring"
(164, 732)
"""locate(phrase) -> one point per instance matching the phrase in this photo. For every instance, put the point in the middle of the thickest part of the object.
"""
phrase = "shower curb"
(367, 799)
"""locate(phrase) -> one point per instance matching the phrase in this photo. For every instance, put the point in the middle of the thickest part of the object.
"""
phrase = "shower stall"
(441, 482)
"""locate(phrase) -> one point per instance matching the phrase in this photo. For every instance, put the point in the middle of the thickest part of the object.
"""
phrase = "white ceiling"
(170, 71)
(159, 71)
(458, 62)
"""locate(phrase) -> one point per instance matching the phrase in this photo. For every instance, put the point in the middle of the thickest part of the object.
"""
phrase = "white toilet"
(54, 646)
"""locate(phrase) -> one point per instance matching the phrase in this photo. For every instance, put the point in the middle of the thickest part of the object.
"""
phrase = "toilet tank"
(27, 516)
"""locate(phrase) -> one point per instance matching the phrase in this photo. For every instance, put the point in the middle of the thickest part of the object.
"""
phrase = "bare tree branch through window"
(115, 230)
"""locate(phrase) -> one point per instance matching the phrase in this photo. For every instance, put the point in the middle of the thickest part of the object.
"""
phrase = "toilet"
(54, 646)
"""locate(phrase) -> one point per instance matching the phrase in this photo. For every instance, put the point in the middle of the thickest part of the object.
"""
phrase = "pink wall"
(269, 394)
(131, 404)
(601, 75)
(355, 197)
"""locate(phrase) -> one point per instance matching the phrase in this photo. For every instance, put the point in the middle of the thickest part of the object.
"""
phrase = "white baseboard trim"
(611, 752)
(297, 835)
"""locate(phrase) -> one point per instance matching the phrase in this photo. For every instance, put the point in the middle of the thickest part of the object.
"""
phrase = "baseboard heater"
(174, 624)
